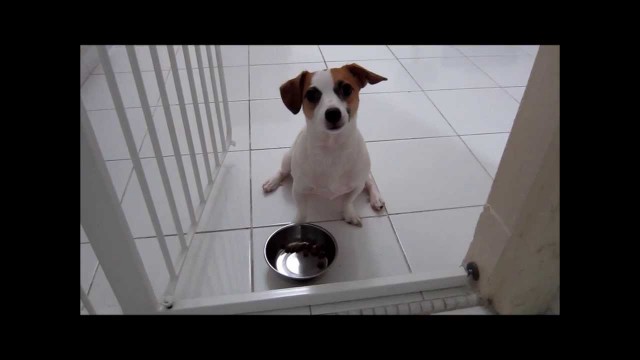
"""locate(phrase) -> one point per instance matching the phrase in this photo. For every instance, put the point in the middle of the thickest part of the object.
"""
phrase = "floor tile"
(120, 171)
(266, 79)
(236, 80)
(96, 96)
(102, 297)
(228, 206)
(239, 121)
(279, 206)
(106, 126)
(273, 125)
(491, 50)
(424, 51)
(270, 54)
(516, 92)
(133, 203)
(488, 149)
(355, 52)
(399, 116)
(364, 253)
(398, 79)
(232, 55)
(153, 261)
(436, 240)
(428, 174)
(120, 59)
(530, 49)
(476, 111)
(217, 264)
(380, 117)
(507, 70)
(447, 73)
(88, 264)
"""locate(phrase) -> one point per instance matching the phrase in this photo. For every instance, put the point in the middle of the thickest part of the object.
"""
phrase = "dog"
(329, 156)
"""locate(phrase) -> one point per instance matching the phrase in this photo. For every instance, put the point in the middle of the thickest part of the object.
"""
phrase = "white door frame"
(516, 245)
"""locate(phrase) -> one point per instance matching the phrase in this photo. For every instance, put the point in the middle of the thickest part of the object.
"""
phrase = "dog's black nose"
(333, 115)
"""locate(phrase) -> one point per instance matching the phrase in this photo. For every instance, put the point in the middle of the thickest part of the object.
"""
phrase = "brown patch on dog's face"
(311, 96)
(362, 75)
(347, 88)
(328, 98)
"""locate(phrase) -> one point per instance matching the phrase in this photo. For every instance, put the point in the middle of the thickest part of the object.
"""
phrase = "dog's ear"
(363, 75)
(291, 92)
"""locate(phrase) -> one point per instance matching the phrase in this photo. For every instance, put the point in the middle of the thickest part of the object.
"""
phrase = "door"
(516, 245)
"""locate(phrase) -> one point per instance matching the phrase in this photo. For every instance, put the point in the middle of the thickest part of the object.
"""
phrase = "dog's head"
(329, 98)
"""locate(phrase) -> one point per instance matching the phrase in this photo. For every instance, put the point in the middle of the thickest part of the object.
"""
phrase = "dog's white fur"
(329, 163)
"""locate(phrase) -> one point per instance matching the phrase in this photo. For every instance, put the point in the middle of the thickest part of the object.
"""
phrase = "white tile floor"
(436, 131)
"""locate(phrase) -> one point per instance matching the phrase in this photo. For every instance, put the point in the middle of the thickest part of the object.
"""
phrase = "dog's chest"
(330, 176)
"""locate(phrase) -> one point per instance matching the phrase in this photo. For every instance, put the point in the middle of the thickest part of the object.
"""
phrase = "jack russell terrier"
(329, 156)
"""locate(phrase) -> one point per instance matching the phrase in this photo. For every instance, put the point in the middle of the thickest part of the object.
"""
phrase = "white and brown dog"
(329, 157)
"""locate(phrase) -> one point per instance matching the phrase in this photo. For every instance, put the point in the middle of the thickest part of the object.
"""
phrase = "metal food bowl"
(300, 252)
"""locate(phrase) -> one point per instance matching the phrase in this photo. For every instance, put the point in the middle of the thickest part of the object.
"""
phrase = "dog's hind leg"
(374, 194)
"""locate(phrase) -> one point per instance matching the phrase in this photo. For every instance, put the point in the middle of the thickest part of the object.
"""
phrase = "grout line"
(361, 94)
(464, 142)
(153, 112)
(445, 118)
(169, 69)
(431, 210)
(251, 259)
(480, 162)
(460, 137)
(321, 221)
(465, 88)
(405, 69)
(479, 68)
(259, 226)
(404, 253)
(186, 103)
(323, 59)
(366, 141)
(395, 233)
(126, 186)
(286, 63)
(93, 278)
(514, 98)
(435, 137)
(525, 53)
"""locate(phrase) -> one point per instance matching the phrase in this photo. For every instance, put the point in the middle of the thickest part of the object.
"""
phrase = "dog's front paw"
(355, 220)
(352, 218)
(270, 185)
(300, 219)
(377, 204)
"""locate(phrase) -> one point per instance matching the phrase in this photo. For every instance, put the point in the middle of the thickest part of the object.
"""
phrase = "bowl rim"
(335, 244)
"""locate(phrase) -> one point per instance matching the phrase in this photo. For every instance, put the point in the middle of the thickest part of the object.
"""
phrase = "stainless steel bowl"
(300, 252)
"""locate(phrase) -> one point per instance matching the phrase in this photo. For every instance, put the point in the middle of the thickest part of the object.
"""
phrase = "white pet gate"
(105, 224)
(110, 236)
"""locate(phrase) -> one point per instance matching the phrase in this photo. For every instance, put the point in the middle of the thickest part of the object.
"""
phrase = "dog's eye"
(346, 90)
(343, 90)
(313, 95)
